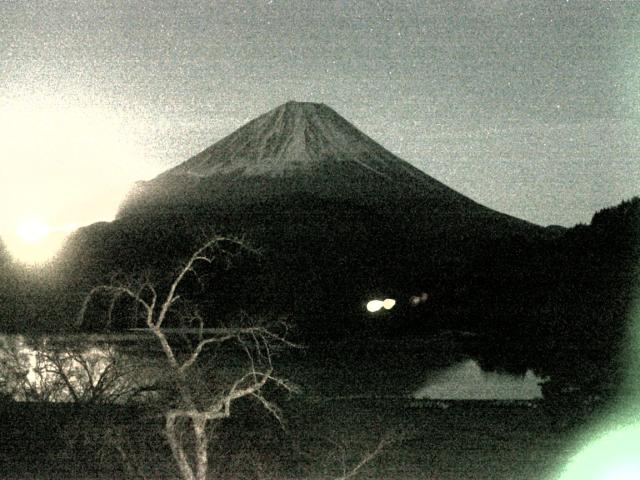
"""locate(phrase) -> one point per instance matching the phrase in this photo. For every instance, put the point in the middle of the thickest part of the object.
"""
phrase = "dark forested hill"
(563, 304)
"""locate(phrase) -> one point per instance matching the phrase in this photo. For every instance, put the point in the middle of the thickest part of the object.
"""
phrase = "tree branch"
(196, 352)
(366, 458)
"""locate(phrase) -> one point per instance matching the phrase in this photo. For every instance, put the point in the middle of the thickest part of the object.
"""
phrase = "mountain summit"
(297, 149)
(297, 138)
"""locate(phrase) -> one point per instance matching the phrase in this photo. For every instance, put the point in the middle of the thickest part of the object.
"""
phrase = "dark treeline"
(562, 305)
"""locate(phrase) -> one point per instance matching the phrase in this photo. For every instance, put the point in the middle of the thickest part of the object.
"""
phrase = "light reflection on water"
(27, 371)
(467, 381)
(72, 368)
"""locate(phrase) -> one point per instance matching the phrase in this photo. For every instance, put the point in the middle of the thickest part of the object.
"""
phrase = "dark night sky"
(531, 108)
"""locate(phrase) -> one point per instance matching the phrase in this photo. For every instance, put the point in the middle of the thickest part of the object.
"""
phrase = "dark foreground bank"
(319, 439)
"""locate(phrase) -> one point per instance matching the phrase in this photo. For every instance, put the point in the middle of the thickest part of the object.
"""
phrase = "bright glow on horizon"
(34, 242)
(33, 230)
(65, 163)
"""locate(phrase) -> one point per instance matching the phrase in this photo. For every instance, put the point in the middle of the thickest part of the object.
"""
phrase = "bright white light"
(623, 472)
(34, 242)
(612, 455)
(33, 230)
(375, 305)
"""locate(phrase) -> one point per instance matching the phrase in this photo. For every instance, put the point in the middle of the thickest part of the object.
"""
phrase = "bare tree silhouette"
(200, 394)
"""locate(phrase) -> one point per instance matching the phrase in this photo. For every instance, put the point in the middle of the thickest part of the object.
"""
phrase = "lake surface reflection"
(467, 381)
(117, 367)
(76, 368)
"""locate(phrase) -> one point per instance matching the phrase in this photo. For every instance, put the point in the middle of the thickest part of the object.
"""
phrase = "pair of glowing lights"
(377, 305)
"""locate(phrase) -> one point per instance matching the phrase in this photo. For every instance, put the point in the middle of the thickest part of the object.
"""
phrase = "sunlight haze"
(66, 164)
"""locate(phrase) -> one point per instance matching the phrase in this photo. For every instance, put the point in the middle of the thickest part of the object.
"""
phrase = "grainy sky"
(531, 108)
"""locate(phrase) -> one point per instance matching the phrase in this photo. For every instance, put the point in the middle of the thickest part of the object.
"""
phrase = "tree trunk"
(186, 472)
(202, 447)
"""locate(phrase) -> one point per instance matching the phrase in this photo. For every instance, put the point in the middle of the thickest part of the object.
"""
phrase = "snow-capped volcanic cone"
(297, 149)
(337, 216)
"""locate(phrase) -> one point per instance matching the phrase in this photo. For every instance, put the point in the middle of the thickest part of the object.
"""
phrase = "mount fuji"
(338, 217)
(300, 150)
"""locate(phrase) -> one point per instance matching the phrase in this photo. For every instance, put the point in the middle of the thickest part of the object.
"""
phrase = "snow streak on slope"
(292, 138)
(296, 150)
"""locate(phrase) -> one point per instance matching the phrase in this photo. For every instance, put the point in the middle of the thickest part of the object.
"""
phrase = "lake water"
(460, 379)
(467, 381)
(65, 368)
